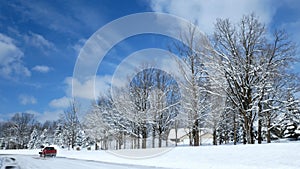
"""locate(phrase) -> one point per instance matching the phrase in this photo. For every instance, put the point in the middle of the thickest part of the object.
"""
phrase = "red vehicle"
(48, 151)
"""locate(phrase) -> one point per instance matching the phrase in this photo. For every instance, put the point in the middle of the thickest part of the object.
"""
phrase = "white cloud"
(27, 99)
(144, 59)
(205, 12)
(41, 68)
(77, 47)
(47, 115)
(91, 87)
(62, 102)
(88, 89)
(38, 41)
(11, 63)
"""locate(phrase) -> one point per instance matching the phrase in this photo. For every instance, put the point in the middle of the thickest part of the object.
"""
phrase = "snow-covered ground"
(34, 162)
(265, 156)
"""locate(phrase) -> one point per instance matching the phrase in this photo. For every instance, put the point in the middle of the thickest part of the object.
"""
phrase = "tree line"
(23, 131)
(236, 84)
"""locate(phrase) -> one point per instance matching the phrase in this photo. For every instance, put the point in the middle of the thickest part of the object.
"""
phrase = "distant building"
(183, 136)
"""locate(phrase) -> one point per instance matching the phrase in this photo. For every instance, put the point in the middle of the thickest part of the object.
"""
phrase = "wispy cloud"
(27, 99)
(42, 68)
(11, 59)
(46, 115)
(73, 19)
(49, 115)
(205, 12)
(62, 102)
(88, 89)
(77, 47)
(38, 41)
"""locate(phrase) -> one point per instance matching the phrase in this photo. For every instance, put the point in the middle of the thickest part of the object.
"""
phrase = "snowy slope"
(265, 156)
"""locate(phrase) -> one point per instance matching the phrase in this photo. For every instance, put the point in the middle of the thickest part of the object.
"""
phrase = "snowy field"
(265, 156)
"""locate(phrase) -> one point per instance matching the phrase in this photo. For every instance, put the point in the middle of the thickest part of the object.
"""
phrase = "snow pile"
(8, 163)
(265, 156)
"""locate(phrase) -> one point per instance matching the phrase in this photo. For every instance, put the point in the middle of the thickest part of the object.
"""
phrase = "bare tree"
(164, 102)
(95, 126)
(71, 124)
(22, 125)
(276, 57)
(250, 62)
(194, 85)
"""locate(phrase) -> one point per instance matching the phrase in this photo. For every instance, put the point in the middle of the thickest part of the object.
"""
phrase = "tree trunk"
(196, 137)
(226, 137)
(244, 135)
(190, 137)
(247, 130)
(96, 145)
(248, 127)
(138, 139)
(167, 142)
(269, 130)
(144, 137)
(124, 140)
(176, 130)
(153, 137)
(120, 143)
(252, 141)
(220, 138)
(133, 143)
(234, 129)
(117, 144)
(159, 140)
(196, 134)
(106, 144)
(259, 132)
(215, 137)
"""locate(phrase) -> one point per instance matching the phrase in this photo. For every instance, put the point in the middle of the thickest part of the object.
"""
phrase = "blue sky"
(40, 42)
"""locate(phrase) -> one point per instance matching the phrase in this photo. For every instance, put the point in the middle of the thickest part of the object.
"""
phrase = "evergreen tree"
(58, 136)
(291, 118)
(34, 138)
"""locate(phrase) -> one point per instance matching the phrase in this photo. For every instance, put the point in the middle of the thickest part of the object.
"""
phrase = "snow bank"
(265, 156)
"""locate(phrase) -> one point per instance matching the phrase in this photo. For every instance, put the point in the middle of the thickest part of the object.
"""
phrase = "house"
(183, 136)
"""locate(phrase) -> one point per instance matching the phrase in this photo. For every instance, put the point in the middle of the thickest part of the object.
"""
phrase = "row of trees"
(24, 131)
(236, 84)
(144, 113)
(15, 133)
